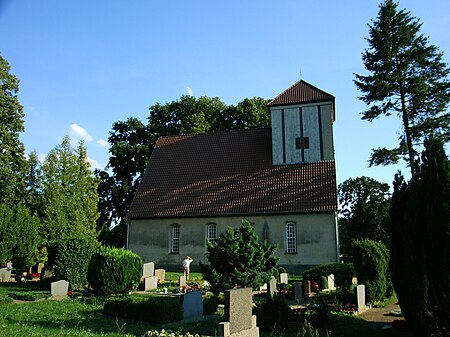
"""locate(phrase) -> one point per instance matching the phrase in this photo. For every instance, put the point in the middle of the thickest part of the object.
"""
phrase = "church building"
(282, 179)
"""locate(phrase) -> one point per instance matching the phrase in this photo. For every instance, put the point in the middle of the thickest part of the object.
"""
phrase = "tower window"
(302, 143)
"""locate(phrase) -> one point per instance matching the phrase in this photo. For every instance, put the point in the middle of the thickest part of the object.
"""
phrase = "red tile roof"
(300, 93)
(229, 173)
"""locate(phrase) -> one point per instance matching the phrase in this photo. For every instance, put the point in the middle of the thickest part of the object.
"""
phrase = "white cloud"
(94, 164)
(102, 143)
(189, 91)
(76, 132)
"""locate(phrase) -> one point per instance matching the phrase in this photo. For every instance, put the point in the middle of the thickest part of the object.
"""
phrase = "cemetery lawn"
(83, 317)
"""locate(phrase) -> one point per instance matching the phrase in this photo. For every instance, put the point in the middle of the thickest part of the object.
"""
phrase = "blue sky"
(84, 65)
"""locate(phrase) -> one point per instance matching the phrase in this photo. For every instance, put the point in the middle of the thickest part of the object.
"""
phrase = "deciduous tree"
(408, 77)
(364, 213)
(12, 152)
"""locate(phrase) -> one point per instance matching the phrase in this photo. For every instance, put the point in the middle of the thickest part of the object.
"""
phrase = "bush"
(238, 258)
(210, 304)
(371, 260)
(343, 273)
(273, 314)
(114, 271)
(153, 309)
(71, 259)
(323, 282)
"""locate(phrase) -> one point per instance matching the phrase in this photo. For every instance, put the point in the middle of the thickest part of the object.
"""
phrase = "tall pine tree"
(420, 242)
(407, 77)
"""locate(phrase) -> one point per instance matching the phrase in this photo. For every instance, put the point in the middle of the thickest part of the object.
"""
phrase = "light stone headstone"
(182, 281)
(298, 291)
(161, 274)
(5, 274)
(150, 283)
(284, 278)
(148, 269)
(354, 280)
(239, 320)
(272, 286)
(9, 265)
(331, 285)
(192, 305)
(361, 297)
(59, 288)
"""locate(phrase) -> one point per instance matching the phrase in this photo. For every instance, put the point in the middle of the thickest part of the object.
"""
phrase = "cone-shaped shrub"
(114, 271)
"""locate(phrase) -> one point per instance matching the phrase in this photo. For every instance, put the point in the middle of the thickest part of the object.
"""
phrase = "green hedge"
(114, 271)
(343, 273)
(153, 309)
(210, 304)
(70, 259)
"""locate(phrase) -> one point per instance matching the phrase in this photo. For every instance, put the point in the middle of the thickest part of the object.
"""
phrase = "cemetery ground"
(32, 313)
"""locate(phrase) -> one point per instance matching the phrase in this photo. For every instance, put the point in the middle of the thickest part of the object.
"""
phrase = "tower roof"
(301, 93)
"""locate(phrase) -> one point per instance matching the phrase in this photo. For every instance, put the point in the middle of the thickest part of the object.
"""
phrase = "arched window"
(175, 238)
(291, 238)
(211, 233)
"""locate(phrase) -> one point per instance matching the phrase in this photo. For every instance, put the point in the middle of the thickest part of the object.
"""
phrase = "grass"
(83, 317)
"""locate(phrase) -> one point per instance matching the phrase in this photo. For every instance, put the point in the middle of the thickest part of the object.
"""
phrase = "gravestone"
(331, 285)
(148, 269)
(160, 274)
(284, 278)
(182, 281)
(239, 321)
(354, 280)
(298, 291)
(361, 297)
(150, 283)
(307, 288)
(192, 305)
(5, 274)
(272, 286)
(59, 288)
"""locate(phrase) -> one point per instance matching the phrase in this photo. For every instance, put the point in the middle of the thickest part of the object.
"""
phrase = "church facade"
(282, 179)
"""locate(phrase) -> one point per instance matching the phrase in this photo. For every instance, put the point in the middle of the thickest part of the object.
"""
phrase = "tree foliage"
(420, 242)
(12, 152)
(132, 142)
(239, 259)
(69, 193)
(407, 77)
(365, 204)
(371, 262)
(19, 236)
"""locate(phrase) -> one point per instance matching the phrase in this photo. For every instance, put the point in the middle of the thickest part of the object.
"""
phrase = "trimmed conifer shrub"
(70, 260)
(343, 273)
(114, 271)
(371, 261)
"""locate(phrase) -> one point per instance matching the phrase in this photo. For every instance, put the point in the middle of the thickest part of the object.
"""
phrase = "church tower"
(302, 125)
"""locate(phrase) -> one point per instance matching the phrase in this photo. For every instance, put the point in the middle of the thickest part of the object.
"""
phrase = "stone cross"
(239, 320)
